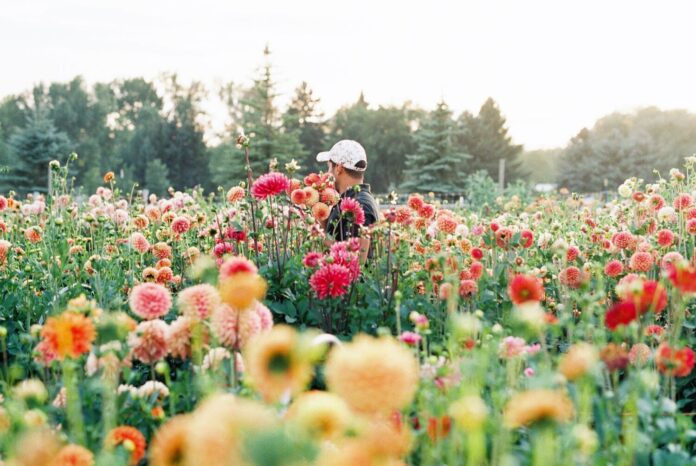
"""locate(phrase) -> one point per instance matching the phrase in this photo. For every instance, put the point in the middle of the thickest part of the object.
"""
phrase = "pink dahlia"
(656, 202)
(641, 262)
(329, 196)
(181, 225)
(351, 206)
(665, 238)
(467, 288)
(410, 338)
(3, 203)
(179, 337)
(446, 224)
(526, 239)
(248, 327)
(224, 324)
(669, 258)
(139, 243)
(4, 249)
(148, 342)
(571, 277)
(683, 201)
(265, 316)
(235, 265)
(426, 211)
(623, 239)
(476, 270)
(162, 250)
(691, 226)
(330, 280)
(312, 259)
(234, 328)
(270, 184)
(298, 196)
(198, 301)
(403, 216)
(150, 301)
(613, 268)
(572, 253)
(415, 201)
(321, 211)
(235, 194)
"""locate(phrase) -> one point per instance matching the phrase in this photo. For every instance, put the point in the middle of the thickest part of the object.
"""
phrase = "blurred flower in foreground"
(536, 405)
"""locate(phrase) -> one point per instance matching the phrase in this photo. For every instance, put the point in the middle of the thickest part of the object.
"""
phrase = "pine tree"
(261, 120)
(32, 148)
(184, 152)
(156, 176)
(304, 119)
(486, 138)
(437, 165)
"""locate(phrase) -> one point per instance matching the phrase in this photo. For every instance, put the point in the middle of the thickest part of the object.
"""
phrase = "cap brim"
(324, 156)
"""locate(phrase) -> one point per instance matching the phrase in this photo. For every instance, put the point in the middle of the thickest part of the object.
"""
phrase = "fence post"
(501, 174)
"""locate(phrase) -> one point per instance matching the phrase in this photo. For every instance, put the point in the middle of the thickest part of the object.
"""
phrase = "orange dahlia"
(129, 438)
(168, 446)
(68, 335)
(525, 288)
(672, 361)
(73, 455)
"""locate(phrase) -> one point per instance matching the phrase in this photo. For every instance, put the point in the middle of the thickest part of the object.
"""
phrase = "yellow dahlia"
(217, 429)
(320, 414)
(373, 375)
(169, 443)
(469, 412)
(537, 405)
(579, 360)
(242, 289)
(278, 361)
(377, 441)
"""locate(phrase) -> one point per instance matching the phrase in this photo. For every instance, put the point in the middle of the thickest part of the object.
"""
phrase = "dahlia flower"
(149, 300)
(270, 184)
(373, 375)
(68, 335)
(331, 280)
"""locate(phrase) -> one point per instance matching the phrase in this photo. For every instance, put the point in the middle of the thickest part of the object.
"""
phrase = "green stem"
(74, 405)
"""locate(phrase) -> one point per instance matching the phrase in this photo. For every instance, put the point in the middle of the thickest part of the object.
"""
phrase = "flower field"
(222, 329)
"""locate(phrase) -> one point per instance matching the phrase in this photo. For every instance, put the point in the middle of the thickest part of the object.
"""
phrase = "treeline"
(153, 133)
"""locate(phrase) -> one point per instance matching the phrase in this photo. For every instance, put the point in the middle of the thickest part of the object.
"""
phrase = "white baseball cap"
(347, 153)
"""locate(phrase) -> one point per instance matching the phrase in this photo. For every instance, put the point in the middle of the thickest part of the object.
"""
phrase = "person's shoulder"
(365, 197)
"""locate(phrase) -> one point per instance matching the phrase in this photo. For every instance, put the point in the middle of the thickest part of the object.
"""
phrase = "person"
(347, 163)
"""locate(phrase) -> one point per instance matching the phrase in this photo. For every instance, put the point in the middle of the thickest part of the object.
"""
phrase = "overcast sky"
(553, 66)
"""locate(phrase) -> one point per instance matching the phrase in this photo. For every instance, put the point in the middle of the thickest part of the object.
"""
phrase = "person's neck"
(349, 185)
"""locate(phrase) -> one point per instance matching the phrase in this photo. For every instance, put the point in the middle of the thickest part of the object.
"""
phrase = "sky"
(554, 67)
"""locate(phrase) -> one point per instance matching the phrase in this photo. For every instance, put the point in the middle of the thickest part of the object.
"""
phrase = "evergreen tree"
(32, 148)
(261, 120)
(486, 138)
(184, 151)
(437, 165)
(156, 176)
(305, 119)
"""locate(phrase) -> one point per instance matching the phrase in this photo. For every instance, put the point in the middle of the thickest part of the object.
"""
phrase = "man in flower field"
(347, 163)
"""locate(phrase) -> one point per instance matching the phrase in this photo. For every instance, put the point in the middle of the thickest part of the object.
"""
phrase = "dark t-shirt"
(342, 228)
